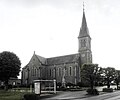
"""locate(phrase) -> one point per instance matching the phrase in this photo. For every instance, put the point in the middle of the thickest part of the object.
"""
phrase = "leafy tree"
(117, 77)
(109, 75)
(98, 75)
(9, 66)
(90, 73)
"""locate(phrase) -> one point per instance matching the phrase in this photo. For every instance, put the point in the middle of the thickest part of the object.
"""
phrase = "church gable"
(37, 60)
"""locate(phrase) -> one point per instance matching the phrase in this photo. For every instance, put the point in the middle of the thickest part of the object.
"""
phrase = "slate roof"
(62, 59)
(84, 29)
(41, 59)
(58, 60)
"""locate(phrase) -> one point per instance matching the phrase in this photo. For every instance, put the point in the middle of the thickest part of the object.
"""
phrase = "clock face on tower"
(83, 55)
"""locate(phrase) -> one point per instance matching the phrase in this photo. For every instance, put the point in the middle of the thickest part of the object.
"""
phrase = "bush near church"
(81, 84)
(31, 97)
(107, 89)
(92, 91)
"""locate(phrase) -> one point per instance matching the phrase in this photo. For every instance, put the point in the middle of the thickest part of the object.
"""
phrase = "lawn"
(11, 95)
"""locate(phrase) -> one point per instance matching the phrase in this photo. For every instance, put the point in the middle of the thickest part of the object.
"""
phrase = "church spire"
(84, 29)
(84, 42)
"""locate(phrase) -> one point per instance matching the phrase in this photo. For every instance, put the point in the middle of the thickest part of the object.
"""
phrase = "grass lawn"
(11, 95)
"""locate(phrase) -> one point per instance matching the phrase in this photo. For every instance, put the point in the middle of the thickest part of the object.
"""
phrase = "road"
(81, 95)
(107, 96)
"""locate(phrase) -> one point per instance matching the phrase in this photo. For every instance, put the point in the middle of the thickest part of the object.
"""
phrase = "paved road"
(67, 95)
(81, 95)
(107, 96)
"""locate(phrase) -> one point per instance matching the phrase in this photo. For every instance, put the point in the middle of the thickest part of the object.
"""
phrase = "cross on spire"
(83, 7)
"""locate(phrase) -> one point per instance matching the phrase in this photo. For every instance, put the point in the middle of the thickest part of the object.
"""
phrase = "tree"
(117, 78)
(90, 73)
(109, 75)
(9, 66)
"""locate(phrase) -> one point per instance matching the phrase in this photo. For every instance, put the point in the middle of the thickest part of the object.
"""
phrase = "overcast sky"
(51, 27)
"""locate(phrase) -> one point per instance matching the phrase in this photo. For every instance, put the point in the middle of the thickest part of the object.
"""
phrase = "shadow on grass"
(10, 95)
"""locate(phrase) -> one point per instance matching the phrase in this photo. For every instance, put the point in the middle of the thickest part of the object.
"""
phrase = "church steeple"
(84, 40)
(84, 29)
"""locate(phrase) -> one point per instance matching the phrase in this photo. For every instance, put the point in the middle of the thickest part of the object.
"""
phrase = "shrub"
(59, 84)
(101, 84)
(63, 88)
(2, 87)
(107, 89)
(9, 86)
(118, 88)
(82, 84)
(92, 91)
(69, 84)
(31, 97)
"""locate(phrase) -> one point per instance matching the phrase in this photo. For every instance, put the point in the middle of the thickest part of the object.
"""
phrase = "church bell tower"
(84, 40)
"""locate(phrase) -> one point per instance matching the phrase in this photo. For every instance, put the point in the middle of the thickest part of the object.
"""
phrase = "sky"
(51, 27)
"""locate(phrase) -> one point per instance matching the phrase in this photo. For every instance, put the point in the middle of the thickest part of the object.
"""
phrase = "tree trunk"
(108, 83)
(117, 83)
(91, 82)
(6, 85)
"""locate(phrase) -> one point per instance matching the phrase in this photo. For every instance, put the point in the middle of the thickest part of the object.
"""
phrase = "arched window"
(83, 43)
(39, 72)
(32, 71)
(35, 71)
(50, 72)
(54, 73)
(75, 71)
(70, 71)
(59, 72)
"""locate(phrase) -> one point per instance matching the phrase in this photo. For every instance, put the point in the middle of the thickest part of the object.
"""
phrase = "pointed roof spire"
(83, 7)
(84, 29)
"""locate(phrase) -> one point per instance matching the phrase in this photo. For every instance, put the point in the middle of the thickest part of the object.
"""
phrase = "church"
(65, 69)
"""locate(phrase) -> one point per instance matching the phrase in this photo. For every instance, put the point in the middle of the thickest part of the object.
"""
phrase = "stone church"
(65, 69)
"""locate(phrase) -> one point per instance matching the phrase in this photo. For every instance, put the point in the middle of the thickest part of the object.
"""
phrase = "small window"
(83, 43)
(59, 72)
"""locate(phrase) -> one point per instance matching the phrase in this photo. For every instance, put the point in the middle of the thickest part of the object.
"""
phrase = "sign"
(37, 87)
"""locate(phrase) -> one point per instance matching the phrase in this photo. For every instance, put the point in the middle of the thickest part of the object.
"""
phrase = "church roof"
(56, 60)
(84, 29)
(41, 59)
(62, 59)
